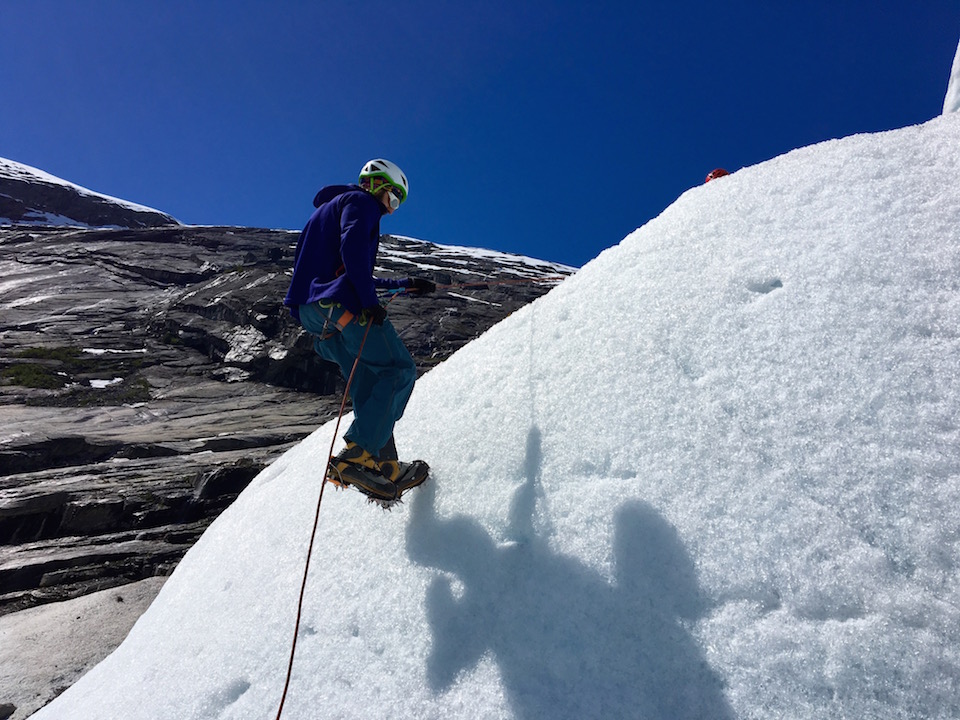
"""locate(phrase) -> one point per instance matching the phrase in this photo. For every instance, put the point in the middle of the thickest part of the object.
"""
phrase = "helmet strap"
(376, 185)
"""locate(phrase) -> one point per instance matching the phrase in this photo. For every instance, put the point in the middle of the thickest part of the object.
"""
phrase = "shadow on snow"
(568, 643)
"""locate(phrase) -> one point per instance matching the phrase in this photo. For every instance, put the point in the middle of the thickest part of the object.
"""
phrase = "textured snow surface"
(714, 474)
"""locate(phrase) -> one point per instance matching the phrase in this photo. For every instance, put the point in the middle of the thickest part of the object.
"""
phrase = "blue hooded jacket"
(337, 250)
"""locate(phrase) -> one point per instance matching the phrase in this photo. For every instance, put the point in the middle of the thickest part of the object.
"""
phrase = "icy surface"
(101, 384)
(70, 636)
(715, 474)
(951, 102)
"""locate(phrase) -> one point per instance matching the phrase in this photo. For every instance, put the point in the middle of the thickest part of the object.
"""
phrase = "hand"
(376, 314)
(421, 286)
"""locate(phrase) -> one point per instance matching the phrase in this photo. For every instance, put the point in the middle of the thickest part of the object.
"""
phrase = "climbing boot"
(355, 466)
(411, 475)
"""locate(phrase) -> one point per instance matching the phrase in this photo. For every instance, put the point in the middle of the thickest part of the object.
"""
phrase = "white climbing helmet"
(388, 172)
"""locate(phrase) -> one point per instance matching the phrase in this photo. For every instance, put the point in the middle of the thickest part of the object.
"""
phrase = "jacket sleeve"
(357, 248)
(391, 283)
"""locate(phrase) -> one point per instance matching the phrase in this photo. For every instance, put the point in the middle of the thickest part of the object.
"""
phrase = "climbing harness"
(330, 326)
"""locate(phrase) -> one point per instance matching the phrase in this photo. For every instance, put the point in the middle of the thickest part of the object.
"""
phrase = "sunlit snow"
(951, 101)
(101, 384)
(714, 474)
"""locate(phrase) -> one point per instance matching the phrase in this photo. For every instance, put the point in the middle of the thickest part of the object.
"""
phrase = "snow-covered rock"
(29, 196)
(714, 474)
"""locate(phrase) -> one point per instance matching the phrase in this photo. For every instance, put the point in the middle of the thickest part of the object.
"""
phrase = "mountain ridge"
(29, 196)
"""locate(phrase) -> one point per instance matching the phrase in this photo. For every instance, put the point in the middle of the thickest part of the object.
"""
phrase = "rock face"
(30, 196)
(147, 375)
(46, 649)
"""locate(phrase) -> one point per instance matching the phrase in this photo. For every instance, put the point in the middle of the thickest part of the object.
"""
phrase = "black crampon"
(378, 488)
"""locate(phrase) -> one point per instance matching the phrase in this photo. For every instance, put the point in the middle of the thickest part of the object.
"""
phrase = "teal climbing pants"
(384, 377)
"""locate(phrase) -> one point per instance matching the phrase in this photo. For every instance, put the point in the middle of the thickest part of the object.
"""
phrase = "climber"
(333, 295)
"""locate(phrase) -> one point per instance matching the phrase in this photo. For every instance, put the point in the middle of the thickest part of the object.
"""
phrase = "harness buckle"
(337, 325)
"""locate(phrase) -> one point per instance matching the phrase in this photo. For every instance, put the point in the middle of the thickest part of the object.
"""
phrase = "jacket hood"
(331, 191)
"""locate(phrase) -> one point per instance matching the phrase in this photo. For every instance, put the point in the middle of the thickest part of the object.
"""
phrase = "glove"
(420, 286)
(376, 314)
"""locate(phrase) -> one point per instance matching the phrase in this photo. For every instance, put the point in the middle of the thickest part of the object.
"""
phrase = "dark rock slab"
(147, 375)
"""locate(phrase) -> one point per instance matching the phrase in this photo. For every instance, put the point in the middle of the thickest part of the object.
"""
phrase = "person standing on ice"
(333, 295)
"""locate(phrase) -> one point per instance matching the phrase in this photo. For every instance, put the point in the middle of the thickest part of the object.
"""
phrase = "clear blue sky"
(546, 128)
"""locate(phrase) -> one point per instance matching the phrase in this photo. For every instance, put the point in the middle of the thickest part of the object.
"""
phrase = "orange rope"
(316, 522)
(343, 404)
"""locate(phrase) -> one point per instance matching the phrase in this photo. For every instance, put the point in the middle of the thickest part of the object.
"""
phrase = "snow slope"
(714, 474)
(951, 101)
